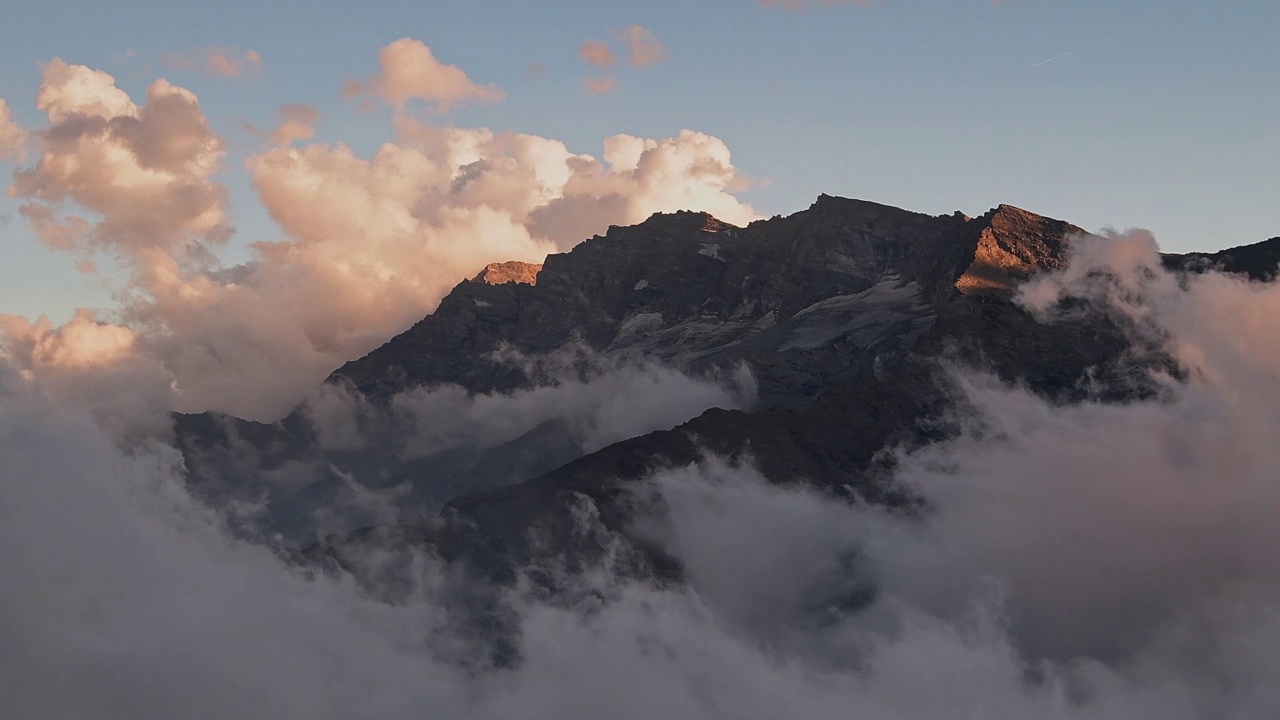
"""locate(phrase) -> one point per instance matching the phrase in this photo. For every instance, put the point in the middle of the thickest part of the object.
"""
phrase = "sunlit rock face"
(511, 271)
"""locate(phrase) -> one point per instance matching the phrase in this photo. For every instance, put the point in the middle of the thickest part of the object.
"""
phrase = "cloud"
(1087, 561)
(94, 366)
(615, 400)
(597, 54)
(408, 70)
(125, 579)
(144, 171)
(536, 71)
(13, 139)
(644, 49)
(600, 85)
(371, 244)
(297, 122)
(223, 62)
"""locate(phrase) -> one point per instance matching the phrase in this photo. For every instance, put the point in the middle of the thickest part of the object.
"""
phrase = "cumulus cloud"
(597, 54)
(97, 366)
(13, 139)
(644, 49)
(224, 62)
(297, 122)
(143, 171)
(371, 244)
(408, 70)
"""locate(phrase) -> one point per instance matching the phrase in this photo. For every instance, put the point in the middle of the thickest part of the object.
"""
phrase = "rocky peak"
(1013, 244)
(681, 221)
(511, 271)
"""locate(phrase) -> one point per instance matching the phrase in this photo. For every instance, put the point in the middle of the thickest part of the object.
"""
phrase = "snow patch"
(711, 250)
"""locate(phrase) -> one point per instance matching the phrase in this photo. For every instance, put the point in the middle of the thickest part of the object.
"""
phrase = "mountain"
(837, 316)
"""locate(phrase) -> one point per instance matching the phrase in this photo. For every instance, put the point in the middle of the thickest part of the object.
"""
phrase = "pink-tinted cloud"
(644, 49)
(225, 62)
(408, 70)
(143, 171)
(600, 85)
(13, 139)
(297, 122)
(597, 54)
(369, 244)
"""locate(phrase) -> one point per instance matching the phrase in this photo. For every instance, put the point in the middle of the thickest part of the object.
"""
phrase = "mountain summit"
(806, 344)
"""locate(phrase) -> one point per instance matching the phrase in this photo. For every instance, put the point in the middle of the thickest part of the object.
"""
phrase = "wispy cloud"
(297, 122)
(536, 71)
(13, 139)
(600, 85)
(225, 62)
(644, 49)
(597, 54)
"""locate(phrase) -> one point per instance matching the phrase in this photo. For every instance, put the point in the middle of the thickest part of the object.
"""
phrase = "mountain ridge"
(845, 306)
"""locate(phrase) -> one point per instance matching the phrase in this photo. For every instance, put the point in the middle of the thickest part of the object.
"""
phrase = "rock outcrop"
(511, 271)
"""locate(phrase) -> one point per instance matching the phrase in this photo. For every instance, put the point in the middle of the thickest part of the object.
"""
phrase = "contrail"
(1058, 57)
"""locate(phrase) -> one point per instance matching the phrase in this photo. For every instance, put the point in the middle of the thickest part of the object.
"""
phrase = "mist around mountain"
(857, 461)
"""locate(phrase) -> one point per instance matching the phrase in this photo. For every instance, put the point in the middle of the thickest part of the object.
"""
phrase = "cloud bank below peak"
(1086, 561)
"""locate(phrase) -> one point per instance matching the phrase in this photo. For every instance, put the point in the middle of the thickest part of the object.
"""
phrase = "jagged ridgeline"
(808, 343)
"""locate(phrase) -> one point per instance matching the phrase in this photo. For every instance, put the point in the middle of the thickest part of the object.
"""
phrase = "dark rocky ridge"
(688, 289)
(835, 443)
(807, 303)
(1257, 261)
(841, 311)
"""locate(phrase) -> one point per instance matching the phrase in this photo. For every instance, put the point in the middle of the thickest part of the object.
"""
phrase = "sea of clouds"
(1083, 561)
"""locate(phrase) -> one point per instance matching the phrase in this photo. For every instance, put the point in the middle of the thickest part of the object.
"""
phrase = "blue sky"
(1163, 115)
